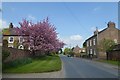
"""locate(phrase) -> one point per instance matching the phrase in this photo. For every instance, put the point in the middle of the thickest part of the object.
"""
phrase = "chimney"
(11, 29)
(11, 25)
(111, 24)
(96, 31)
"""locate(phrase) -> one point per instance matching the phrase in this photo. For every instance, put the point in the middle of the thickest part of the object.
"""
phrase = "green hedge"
(17, 62)
(5, 54)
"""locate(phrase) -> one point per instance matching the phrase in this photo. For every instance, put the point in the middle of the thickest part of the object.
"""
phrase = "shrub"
(18, 62)
(5, 54)
(5, 43)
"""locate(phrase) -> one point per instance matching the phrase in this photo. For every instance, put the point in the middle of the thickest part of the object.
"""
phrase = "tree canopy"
(106, 45)
(42, 35)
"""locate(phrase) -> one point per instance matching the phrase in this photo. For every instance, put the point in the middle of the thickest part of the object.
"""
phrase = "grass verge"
(38, 65)
(109, 62)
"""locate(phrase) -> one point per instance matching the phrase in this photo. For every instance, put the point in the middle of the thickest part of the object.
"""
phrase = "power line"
(73, 15)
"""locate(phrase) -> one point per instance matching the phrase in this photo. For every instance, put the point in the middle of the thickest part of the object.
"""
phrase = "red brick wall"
(16, 53)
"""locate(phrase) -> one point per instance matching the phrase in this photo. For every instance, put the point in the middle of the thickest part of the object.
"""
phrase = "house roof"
(11, 31)
(76, 48)
(6, 31)
(96, 34)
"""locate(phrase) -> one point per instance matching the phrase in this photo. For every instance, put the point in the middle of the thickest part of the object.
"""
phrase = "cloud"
(31, 17)
(76, 37)
(3, 24)
(72, 41)
(97, 9)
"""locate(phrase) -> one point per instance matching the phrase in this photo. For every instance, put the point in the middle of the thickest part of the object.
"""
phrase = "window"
(21, 47)
(88, 51)
(83, 50)
(115, 40)
(11, 39)
(10, 45)
(91, 51)
(87, 43)
(90, 42)
(94, 52)
(93, 41)
(20, 39)
(79, 51)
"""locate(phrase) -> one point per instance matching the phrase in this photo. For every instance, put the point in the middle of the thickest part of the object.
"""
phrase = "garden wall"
(114, 54)
(15, 54)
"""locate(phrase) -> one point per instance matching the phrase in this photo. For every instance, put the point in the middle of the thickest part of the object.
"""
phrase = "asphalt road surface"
(82, 68)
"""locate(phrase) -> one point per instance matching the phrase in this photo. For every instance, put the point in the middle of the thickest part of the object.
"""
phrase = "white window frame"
(94, 42)
(94, 52)
(87, 43)
(10, 46)
(91, 51)
(90, 42)
(80, 51)
(83, 50)
(115, 40)
(20, 40)
(20, 46)
(9, 39)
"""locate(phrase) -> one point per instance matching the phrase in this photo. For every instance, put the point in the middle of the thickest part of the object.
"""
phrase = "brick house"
(13, 40)
(111, 32)
(78, 51)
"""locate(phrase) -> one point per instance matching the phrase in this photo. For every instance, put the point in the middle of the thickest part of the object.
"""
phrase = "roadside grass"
(112, 62)
(38, 65)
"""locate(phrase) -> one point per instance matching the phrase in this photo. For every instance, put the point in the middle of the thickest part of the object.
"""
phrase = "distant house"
(111, 32)
(13, 40)
(0, 37)
(78, 51)
(0, 42)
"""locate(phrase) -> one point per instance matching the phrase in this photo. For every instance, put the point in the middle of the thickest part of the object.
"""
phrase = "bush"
(18, 62)
(85, 56)
(5, 54)
(5, 43)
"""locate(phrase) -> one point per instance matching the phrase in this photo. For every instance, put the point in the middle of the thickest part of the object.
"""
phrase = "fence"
(114, 54)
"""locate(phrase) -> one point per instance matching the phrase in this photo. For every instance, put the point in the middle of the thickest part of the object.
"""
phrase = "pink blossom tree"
(42, 36)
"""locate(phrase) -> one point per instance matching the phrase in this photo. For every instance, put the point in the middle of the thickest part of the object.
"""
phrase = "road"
(82, 68)
(75, 68)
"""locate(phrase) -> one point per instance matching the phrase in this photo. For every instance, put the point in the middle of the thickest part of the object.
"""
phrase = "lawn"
(38, 65)
(109, 62)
